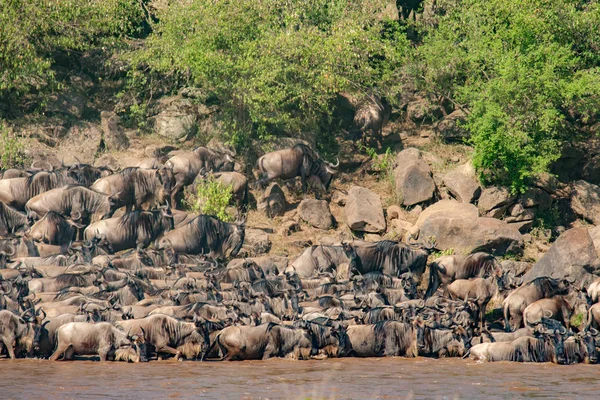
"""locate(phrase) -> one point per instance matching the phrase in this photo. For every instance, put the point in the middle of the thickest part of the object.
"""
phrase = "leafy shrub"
(212, 198)
(11, 148)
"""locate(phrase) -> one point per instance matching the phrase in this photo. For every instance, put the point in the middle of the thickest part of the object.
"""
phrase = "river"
(349, 378)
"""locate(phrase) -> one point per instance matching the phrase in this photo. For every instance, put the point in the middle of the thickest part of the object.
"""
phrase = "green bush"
(212, 198)
(274, 66)
(527, 71)
(11, 148)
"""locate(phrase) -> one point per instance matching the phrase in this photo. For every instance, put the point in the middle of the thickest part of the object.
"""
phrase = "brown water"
(345, 378)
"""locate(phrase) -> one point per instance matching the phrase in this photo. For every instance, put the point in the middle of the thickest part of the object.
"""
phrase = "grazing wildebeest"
(54, 229)
(77, 202)
(136, 229)
(300, 161)
(11, 220)
(206, 234)
(446, 269)
(186, 167)
(133, 187)
(539, 288)
(102, 338)
(548, 348)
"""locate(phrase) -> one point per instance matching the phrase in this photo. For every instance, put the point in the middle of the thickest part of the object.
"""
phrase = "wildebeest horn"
(594, 331)
(76, 215)
(337, 164)
(88, 246)
(12, 252)
(41, 310)
(563, 330)
(549, 313)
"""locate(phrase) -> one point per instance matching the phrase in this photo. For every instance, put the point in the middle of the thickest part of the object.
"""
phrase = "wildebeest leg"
(59, 350)
(103, 353)
(69, 354)
(507, 319)
(167, 349)
(178, 186)
(10, 349)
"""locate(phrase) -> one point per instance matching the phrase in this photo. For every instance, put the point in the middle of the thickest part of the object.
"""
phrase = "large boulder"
(177, 119)
(462, 183)
(316, 213)
(364, 211)
(422, 111)
(453, 225)
(573, 255)
(273, 201)
(413, 180)
(585, 201)
(114, 137)
(451, 127)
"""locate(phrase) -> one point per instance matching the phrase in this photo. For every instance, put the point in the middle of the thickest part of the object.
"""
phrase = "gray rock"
(316, 213)
(413, 180)
(289, 227)
(423, 111)
(494, 201)
(519, 268)
(176, 120)
(462, 183)
(572, 255)
(453, 225)
(585, 201)
(273, 201)
(67, 102)
(536, 197)
(364, 211)
(114, 136)
(256, 242)
(450, 128)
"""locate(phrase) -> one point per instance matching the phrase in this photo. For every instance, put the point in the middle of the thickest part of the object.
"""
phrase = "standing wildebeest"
(479, 290)
(446, 269)
(300, 161)
(318, 258)
(391, 258)
(11, 220)
(136, 229)
(559, 308)
(384, 339)
(169, 335)
(237, 183)
(17, 192)
(133, 187)
(371, 115)
(539, 288)
(17, 334)
(206, 234)
(102, 338)
(45, 340)
(55, 229)
(72, 201)
(186, 167)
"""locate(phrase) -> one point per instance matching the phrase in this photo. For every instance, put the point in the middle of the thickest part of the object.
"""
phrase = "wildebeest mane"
(74, 279)
(148, 223)
(10, 219)
(43, 181)
(479, 264)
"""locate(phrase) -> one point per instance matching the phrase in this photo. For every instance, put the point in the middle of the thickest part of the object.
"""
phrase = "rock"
(494, 201)
(572, 255)
(422, 111)
(316, 213)
(177, 119)
(453, 225)
(289, 227)
(585, 201)
(413, 179)
(395, 212)
(339, 198)
(371, 237)
(84, 141)
(547, 182)
(107, 160)
(273, 201)
(400, 227)
(450, 128)
(518, 213)
(364, 211)
(594, 233)
(519, 268)
(536, 197)
(114, 137)
(256, 242)
(569, 166)
(414, 214)
(462, 183)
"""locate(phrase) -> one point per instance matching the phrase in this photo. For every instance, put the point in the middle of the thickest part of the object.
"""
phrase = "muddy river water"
(344, 378)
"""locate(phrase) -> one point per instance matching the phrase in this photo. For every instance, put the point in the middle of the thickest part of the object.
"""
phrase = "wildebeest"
(581, 348)
(539, 288)
(441, 342)
(11, 220)
(478, 290)
(136, 229)
(391, 258)
(17, 334)
(237, 183)
(45, 340)
(72, 201)
(133, 187)
(169, 335)
(523, 349)
(300, 161)
(39, 285)
(446, 269)
(383, 339)
(558, 307)
(593, 291)
(206, 234)
(55, 229)
(371, 115)
(186, 167)
(102, 338)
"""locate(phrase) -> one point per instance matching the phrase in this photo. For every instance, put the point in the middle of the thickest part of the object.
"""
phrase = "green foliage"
(523, 68)
(32, 30)
(275, 66)
(577, 320)
(11, 148)
(441, 253)
(212, 198)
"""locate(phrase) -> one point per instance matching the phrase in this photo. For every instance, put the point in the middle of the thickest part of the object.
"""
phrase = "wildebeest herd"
(80, 276)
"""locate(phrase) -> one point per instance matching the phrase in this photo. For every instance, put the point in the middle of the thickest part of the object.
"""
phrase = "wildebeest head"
(135, 351)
